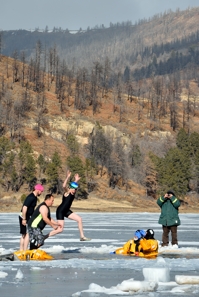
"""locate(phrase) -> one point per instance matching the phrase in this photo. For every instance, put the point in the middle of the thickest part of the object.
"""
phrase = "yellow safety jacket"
(147, 248)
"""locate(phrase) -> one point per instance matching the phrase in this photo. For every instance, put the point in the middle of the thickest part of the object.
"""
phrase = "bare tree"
(23, 59)
(41, 122)
(106, 77)
(100, 148)
(37, 68)
(69, 87)
(15, 67)
(1, 41)
(81, 89)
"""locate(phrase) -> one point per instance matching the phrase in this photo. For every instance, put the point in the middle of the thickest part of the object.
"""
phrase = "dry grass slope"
(53, 138)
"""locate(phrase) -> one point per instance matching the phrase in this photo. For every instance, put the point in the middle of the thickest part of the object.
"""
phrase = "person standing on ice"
(64, 210)
(169, 218)
(26, 212)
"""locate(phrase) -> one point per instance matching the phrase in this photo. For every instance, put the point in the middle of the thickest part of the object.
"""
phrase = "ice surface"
(89, 269)
(134, 286)
(156, 274)
(19, 274)
(187, 279)
(3, 274)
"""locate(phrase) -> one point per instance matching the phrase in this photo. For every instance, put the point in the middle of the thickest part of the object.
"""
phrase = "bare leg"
(73, 216)
(24, 241)
(58, 230)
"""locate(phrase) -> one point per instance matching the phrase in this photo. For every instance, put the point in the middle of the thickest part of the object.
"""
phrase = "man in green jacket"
(169, 218)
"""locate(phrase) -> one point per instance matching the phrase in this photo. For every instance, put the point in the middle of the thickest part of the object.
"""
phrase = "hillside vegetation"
(128, 134)
(125, 44)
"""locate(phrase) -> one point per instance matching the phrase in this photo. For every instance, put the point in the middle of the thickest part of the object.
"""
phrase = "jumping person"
(64, 210)
(26, 212)
(39, 219)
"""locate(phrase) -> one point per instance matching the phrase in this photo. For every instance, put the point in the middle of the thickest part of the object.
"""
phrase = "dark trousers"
(165, 235)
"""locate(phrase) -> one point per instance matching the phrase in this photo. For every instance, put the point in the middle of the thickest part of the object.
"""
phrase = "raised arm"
(68, 174)
(76, 177)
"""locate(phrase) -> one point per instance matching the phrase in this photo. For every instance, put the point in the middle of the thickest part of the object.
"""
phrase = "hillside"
(61, 122)
(96, 204)
(111, 121)
(125, 45)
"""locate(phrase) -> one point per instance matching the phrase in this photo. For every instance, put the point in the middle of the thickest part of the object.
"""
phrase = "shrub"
(23, 197)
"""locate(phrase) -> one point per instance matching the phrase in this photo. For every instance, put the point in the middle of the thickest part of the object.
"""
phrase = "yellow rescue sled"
(32, 255)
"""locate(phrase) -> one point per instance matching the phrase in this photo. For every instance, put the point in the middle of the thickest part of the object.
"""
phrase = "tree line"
(125, 44)
(176, 62)
(83, 88)
(20, 167)
(177, 168)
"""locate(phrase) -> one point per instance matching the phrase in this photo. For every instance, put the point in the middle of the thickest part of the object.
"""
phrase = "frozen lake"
(88, 269)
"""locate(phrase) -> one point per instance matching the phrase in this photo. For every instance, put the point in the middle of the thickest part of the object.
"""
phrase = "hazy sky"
(73, 14)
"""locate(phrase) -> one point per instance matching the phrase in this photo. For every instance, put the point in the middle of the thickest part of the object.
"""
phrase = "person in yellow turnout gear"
(142, 245)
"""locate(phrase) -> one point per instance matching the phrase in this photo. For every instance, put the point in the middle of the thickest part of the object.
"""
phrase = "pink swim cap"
(39, 187)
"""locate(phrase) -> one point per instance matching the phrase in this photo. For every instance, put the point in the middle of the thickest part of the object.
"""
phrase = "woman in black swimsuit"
(64, 210)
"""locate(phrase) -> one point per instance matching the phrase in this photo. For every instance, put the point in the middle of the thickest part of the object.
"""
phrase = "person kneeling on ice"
(39, 219)
(143, 245)
(147, 246)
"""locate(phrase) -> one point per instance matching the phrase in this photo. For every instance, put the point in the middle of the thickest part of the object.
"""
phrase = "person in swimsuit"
(64, 210)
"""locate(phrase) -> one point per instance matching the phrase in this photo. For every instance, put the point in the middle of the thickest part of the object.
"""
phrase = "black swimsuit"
(63, 209)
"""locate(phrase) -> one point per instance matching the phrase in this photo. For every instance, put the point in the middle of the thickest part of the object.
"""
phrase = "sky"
(76, 14)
